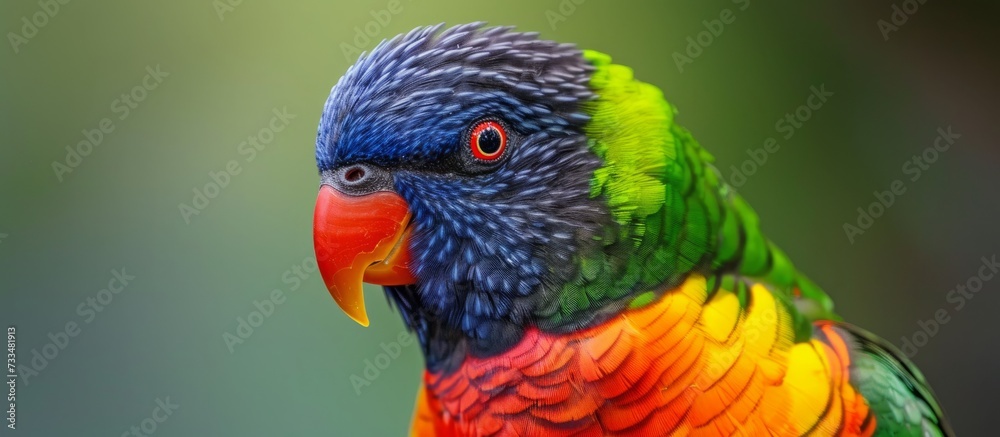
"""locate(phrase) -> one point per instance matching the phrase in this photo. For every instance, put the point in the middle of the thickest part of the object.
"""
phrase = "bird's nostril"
(358, 179)
(354, 174)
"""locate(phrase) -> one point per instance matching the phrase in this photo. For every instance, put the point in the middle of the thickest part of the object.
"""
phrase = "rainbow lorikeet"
(570, 260)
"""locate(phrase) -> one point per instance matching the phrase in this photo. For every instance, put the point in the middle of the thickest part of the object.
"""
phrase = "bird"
(570, 260)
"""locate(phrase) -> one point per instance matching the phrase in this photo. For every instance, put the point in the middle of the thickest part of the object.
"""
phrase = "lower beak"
(361, 239)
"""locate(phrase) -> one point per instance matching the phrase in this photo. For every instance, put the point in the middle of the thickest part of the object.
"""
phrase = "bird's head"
(467, 171)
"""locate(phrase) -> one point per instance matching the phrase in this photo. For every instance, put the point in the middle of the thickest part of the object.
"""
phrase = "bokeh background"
(231, 65)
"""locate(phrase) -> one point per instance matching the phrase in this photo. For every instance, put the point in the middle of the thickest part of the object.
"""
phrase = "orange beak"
(361, 239)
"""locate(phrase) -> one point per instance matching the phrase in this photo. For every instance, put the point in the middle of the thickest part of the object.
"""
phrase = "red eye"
(488, 141)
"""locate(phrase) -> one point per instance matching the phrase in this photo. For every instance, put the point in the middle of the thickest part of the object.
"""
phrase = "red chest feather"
(683, 364)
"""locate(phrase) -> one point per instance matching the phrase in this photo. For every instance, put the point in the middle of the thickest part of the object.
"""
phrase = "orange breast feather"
(682, 365)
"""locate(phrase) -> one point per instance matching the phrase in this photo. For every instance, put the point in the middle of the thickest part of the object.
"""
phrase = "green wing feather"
(896, 391)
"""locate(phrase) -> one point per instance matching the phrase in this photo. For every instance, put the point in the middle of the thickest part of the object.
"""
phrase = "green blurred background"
(163, 336)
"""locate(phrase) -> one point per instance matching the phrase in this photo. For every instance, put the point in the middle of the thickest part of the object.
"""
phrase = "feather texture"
(600, 278)
(695, 362)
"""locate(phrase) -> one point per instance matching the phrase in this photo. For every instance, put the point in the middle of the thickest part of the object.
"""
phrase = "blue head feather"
(491, 246)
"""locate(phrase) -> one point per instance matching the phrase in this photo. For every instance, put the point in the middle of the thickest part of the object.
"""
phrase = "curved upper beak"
(361, 239)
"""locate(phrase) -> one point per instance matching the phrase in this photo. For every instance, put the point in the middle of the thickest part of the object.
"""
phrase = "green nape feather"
(675, 215)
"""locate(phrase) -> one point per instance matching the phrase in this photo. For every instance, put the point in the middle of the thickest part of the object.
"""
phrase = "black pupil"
(489, 141)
